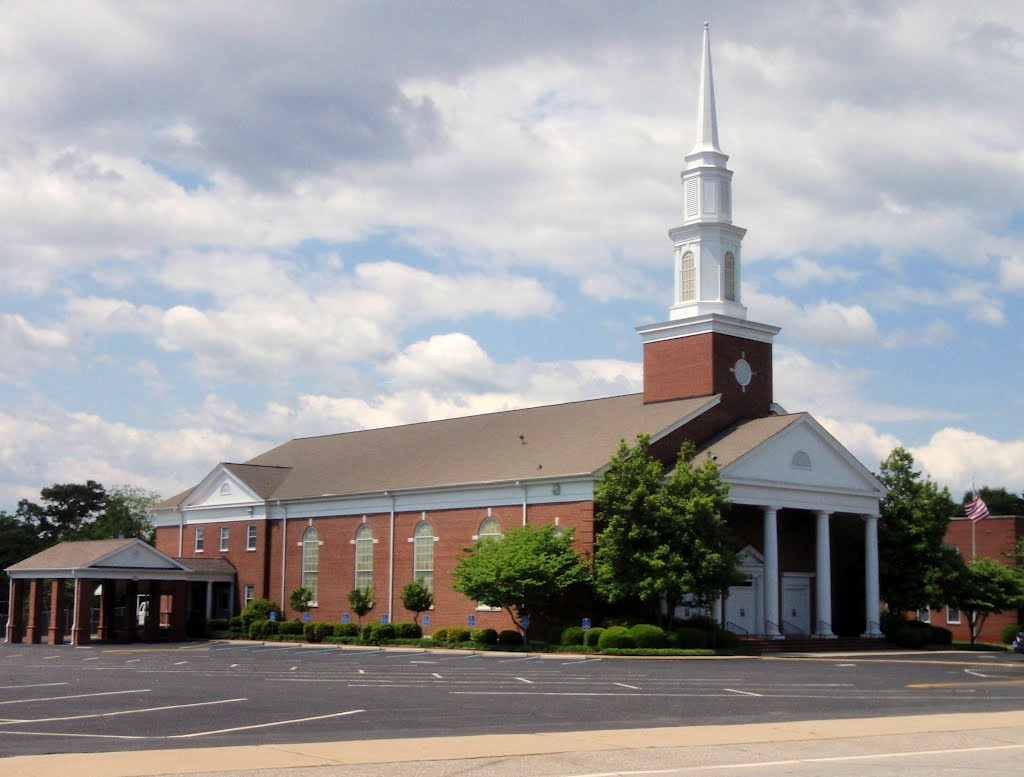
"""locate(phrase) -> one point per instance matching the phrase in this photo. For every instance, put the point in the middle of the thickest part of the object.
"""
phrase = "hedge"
(510, 637)
(616, 637)
(484, 636)
(591, 636)
(647, 636)
(1009, 633)
(573, 635)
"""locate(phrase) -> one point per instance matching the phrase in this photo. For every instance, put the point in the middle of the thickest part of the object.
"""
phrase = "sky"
(227, 225)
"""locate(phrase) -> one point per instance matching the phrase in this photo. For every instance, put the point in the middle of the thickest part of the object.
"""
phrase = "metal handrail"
(735, 628)
(791, 628)
(824, 627)
(768, 628)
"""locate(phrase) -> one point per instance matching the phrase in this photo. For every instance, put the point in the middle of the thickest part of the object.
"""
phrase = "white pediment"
(138, 555)
(803, 467)
(749, 557)
(221, 488)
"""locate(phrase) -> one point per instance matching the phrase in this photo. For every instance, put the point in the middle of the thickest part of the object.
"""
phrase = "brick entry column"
(55, 632)
(16, 601)
(105, 628)
(151, 628)
(34, 628)
(81, 628)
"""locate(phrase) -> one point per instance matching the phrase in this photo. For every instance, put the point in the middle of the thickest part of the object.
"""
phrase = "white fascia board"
(710, 322)
(687, 232)
(218, 473)
(793, 497)
(851, 460)
(148, 549)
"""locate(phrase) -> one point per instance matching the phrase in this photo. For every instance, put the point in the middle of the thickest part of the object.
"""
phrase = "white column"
(771, 571)
(823, 583)
(716, 610)
(871, 594)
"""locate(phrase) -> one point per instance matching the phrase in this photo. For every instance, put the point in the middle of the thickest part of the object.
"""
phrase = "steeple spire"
(707, 121)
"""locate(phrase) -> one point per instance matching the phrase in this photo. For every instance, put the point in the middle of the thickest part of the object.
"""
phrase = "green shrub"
(555, 635)
(217, 624)
(891, 622)
(258, 610)
(377, 633)
(440, 635)
(293, 628)
(1009, 633)
(726, 640)
(258, 629)
(573, 635)
(691, 639)
(940, 636)
(646, 635)
(618, 620)
(484, 636)
(408, 630)
(459, 633)
(346, 629)
(236, 623)
(616, 637)
(591, 636)
(910, 637)
(321, 630)
(510, 637)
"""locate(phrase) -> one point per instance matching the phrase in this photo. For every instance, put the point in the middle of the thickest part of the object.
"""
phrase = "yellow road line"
(962, 684)
(924, 662)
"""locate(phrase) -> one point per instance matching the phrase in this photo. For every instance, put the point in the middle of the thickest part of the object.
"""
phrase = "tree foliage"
(524, 572)
(300, 599)
(661, 538)
(126, 514)
(417, 598)
(361, 601)
(916, 570)
(18, 541)
(987, 587)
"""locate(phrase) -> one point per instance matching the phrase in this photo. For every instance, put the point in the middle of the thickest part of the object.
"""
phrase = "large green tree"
(987, 587)
(916, 570)
(126, 514)
(661, 538)
(524, 572)
(18, 540)
(64, 511)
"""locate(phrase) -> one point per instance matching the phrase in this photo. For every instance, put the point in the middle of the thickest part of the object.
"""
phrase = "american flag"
(976, 509)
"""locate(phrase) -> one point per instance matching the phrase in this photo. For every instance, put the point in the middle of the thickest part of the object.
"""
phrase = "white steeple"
(707, 245)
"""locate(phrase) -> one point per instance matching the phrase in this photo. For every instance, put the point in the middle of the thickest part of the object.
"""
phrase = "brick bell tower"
(707, 346)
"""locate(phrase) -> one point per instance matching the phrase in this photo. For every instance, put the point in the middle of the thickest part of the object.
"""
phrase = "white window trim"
(951, 621)
(928, 614)
(250, 548)
(200, 543)
(225, 539)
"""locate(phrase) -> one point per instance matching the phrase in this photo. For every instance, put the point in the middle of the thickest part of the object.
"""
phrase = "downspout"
(523, 486)
(284, 546)
(181, 531)
(391, 562)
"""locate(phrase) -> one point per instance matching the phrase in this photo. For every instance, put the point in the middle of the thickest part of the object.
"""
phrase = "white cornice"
(712, 322)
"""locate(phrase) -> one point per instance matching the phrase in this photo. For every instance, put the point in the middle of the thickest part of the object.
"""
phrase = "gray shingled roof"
(70, 555)
(208, 566)
(574, 438)
(737, 441)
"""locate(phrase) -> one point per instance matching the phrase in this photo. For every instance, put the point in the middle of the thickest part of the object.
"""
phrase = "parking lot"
(63, 699)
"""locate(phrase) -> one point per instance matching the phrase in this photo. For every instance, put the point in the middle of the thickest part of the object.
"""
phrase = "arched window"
(423, 554)
(310, 560)
(688, 278)
(364, 557)
(801, 460)
(225, 489)
(490, 528)
(729, 278)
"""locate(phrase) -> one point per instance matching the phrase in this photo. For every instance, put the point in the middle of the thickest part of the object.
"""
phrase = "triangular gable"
(221, 487)
(137, 555)
(749, 557)
(804, 455)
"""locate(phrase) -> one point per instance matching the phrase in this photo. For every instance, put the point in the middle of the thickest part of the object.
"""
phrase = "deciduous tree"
(987, 587)
(417, 598)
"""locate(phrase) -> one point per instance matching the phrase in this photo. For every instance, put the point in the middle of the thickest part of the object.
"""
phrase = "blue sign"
(426, 621)
(305, 617)
(384, 619)
(586, 624)
(525, 620)
(472, 621)
(273, 615)
(344, 618)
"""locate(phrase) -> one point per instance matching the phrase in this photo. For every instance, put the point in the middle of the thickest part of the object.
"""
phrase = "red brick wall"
(700, 365)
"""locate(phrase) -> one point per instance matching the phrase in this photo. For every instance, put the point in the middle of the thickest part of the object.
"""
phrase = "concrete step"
(805, 644)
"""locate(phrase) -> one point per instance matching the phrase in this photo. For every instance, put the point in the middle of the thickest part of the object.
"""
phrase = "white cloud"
(823, 323)
(1011, 272)
(803, 271)
(27, 347)
(958, 458)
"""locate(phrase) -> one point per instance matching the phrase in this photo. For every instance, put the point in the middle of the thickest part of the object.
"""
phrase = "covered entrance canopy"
(129, 575)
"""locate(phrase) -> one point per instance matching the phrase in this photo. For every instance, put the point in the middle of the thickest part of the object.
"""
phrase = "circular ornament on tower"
(742, 372)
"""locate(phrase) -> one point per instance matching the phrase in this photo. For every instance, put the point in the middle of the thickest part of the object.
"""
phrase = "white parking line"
(123, 712)
(34, 685)
(513, 660)
(133, 660)
(263, 725)
(437, 675)
(50, 658)
(524, 680)
(581, 661)
(743, 693)
(76, 696)
(179, 663)
(631, 687)
(94, 658)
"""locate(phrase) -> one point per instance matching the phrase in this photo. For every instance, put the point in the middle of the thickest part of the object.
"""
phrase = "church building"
(381, 507)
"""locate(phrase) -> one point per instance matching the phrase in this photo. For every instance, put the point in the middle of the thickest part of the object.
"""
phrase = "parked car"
(1018, 642)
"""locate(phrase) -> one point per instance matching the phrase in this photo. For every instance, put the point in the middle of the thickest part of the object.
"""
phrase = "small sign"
(426, 621)
(586, 624)
(344, 618)
(525, 620)
(472, 621)
(384, 619)
(273, 615)
(305, 617)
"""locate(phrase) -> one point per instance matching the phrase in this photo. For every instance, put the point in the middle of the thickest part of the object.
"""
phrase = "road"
(106, 699)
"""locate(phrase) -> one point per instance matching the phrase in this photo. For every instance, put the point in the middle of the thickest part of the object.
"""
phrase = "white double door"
(796, 604)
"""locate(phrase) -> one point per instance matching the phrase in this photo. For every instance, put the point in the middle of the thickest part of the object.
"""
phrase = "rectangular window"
(952, 616)
(250, 537)
(225, 535)
(200, 539)
(924, 615)
(250, 594)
